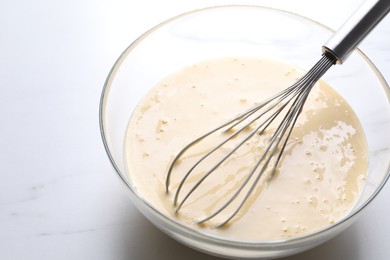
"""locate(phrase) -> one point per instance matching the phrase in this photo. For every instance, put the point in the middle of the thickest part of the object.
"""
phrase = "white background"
(59, 196)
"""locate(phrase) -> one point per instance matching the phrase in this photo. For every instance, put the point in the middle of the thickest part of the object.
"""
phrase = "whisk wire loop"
(296, 94)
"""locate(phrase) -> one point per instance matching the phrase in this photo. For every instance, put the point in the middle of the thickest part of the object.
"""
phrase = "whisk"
(284, 106)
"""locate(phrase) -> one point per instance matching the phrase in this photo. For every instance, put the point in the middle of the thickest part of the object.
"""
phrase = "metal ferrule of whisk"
(287, 105)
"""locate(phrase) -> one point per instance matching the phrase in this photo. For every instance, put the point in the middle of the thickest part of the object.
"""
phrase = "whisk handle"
(353, 31)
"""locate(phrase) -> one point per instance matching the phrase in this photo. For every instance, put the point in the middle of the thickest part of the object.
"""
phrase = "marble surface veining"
(59, 196)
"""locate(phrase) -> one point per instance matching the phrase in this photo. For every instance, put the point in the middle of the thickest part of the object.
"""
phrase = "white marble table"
(59, 195)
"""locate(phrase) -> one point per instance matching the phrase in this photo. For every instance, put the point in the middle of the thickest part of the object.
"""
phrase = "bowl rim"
(184, 229)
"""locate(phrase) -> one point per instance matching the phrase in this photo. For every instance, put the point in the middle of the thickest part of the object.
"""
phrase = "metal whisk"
(286, 105)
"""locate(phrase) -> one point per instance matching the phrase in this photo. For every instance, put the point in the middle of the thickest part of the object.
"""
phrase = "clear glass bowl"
(243, 31)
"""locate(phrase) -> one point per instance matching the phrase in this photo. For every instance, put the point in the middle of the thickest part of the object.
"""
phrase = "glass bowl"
(243, 31)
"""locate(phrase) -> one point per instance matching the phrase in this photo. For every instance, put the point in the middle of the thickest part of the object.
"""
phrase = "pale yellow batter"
(320, 176)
